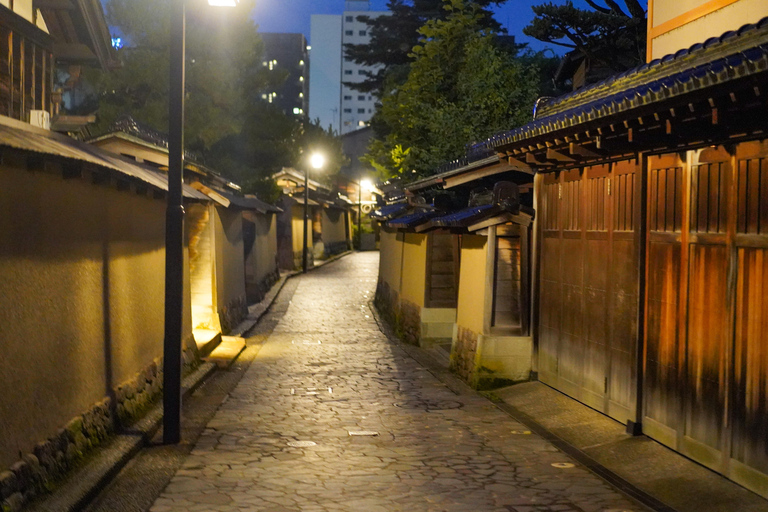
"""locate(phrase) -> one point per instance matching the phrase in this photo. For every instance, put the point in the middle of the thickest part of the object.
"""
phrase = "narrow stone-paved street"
(332, 416)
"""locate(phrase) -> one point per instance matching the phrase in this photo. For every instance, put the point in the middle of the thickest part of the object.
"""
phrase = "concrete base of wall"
(487, 361)
(500, 359)
(436, 324)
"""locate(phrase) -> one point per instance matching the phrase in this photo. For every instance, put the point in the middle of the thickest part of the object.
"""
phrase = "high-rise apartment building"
(335, 104)
(288, 53)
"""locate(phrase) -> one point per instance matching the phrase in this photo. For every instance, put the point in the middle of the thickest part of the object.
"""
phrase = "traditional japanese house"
(329, 227)
(225, 272)
(652, 205)
(472, 253)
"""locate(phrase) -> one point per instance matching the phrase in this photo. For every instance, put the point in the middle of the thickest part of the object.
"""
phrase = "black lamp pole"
(304, 253)
(174, 233)
(359, 214)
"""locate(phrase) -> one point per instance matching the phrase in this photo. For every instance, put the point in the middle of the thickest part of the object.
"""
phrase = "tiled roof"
(22, 136)
(467, 216)
(413, 219)
(250, 203)
(389, 211)
(734, 55)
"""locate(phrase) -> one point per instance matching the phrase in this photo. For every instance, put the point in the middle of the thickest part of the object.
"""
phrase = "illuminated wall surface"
(201, 258)
(414, 268)
(261, 261)
(471, 303)
(390, 260)
(334, 227)
(83, 275)
(228, 225)
(677, 24)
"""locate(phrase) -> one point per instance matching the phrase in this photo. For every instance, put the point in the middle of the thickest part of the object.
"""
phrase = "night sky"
(294, 15)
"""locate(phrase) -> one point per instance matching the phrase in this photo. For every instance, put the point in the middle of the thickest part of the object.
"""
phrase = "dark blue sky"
(294, 15)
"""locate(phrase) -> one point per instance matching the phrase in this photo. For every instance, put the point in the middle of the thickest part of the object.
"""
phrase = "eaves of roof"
(439, 178)
(24, 137)
(733, 56)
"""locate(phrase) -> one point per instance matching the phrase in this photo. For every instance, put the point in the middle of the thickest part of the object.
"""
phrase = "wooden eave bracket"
(556, 156)
(577, 150)
(530, 158)
(522, 166)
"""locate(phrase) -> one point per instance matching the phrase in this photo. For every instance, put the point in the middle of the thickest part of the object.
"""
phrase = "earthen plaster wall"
(81, 303)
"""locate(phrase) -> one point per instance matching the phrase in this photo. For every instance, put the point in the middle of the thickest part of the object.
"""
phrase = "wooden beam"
(578, 150)
(531, 159)
(522, 166)
(558, 157)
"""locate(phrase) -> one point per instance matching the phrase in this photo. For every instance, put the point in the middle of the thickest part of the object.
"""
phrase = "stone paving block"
(327, 370)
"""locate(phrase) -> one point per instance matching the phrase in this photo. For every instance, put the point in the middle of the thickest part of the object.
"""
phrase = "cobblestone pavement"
(332, 416)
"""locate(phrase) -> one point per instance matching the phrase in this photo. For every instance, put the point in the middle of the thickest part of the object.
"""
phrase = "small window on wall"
(508, 311)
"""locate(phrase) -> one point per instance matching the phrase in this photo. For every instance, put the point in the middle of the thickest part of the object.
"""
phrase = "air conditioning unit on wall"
(40, 118)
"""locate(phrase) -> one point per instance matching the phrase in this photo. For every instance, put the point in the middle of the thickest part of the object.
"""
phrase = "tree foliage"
(223, 57)
(393, 36)
(460, 88)
(612, 37)
(226, 121)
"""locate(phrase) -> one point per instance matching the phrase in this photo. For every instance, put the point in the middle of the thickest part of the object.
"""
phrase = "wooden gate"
(588, 285)
(706, 347)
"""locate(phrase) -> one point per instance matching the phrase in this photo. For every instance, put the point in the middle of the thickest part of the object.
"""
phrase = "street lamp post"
(174, 226)
(316, 161)
(360, 185)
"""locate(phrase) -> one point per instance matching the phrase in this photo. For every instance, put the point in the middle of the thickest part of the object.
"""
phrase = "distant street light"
(316, 161)
(174, 226)
(360, 185)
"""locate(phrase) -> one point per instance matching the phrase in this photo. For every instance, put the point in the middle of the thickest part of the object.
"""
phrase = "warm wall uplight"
(223, 3)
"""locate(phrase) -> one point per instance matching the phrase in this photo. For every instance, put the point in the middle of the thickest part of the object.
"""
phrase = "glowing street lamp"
(316, 161)
(174, 227)
(367, 185)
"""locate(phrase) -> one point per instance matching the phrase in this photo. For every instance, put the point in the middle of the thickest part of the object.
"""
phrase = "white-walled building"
(336, 105)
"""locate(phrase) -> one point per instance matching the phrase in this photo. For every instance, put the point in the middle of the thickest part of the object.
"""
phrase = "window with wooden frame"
(25, 71)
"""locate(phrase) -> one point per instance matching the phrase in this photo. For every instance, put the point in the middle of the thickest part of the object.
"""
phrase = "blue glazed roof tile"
(412, 219)
(389, 211)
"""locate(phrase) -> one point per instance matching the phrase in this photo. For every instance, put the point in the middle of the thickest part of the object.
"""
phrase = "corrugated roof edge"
(25, 137)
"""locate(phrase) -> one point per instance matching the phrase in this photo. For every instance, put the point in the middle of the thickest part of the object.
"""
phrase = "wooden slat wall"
(706, 351)
(587, 331)
(442, 274)
(750, 366)
(508, 308)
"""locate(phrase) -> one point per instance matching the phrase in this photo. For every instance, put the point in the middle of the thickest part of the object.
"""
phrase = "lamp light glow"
(366, 185)
(317, 160)
(223, 3)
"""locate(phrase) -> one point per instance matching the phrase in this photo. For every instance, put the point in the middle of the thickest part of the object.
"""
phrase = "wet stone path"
(332, 416)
